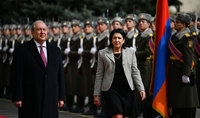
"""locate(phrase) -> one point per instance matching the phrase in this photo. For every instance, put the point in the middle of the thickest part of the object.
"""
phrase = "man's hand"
(18, 103)
(60, 103)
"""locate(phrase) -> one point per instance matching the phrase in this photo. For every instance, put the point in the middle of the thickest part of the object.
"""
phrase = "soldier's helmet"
(89, 22)
(66, 24)
(172, 18)
(117, 19)
(77, 22)
(6, 27)
(132, 17)
(184, 17)
(19, 27)
(13, 27)
(145, 16)
(102, 20)
(55, 25)
(26, 26)
(193, 16)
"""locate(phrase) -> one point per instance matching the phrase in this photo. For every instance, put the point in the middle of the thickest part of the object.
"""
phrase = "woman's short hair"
(121, 31)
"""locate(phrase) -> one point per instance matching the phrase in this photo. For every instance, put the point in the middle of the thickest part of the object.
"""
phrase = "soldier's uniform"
(65, 38)
(88, 67)
(144, 54)
(27, 34)
(20, 36)
(64, 45)
(5, 61)
(57, 36)
(74, 82)
(182, 91)
(103, 37)
(132, 34)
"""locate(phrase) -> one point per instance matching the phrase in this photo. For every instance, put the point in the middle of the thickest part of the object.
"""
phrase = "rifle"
(66, 61)
(93, 59)
(5, 48)
(80, 61)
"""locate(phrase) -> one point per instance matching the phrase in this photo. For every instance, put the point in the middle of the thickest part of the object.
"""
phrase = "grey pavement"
(7, 109)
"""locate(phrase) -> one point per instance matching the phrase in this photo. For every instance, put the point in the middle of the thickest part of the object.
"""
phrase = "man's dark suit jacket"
(38, 87)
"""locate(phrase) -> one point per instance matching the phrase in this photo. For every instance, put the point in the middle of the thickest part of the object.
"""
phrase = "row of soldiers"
(79, 43)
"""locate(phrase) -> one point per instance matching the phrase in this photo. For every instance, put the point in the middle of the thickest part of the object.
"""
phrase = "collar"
(38, 45)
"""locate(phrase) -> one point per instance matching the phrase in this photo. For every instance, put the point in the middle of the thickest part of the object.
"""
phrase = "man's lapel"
(35, 53)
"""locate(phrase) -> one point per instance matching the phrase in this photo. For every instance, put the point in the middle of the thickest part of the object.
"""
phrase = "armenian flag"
(161, 57)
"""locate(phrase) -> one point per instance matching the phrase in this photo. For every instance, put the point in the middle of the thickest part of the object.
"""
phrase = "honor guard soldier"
(27, 33)
(75, 61)
(65, 41)
(89, 61)
(182, 89)
(66, 35)
(19, 34)
(103, 36)
(131, 22)
(11, 46)
(102, 42)
(5, 62)
(144, 54)
(117, 23)
(172, 23)
(57, 36)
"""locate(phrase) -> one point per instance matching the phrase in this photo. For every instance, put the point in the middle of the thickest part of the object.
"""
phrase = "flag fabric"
(3, 117)
(161, 57)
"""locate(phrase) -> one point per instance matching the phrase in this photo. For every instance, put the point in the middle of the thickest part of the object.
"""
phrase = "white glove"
(11, 50)
(0, 48)
(67, 50)
(5, 48)
(80, 51)
(93, 50)
(185, 79)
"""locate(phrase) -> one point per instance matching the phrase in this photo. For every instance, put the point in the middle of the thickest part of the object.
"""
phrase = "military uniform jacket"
(103, 40)
(142, 45)
(88, 43)
(143, 54)
(64, 43)
(181, 95)
(75, 45)
(130, 37)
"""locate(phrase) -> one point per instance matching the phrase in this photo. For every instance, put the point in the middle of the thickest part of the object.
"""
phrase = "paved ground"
(8, 110)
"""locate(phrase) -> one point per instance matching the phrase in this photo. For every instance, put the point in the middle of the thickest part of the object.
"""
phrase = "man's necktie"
(43, 55)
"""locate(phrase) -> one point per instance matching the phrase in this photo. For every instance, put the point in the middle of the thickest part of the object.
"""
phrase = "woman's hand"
(97, 101)
(143, 95)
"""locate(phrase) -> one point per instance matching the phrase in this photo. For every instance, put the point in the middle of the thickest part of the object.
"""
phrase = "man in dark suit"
(37, 76)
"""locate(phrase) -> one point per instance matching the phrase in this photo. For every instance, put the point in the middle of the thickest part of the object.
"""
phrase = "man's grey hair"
(33, 25)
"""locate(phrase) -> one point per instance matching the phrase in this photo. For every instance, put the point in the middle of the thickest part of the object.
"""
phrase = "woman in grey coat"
(117, 76)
